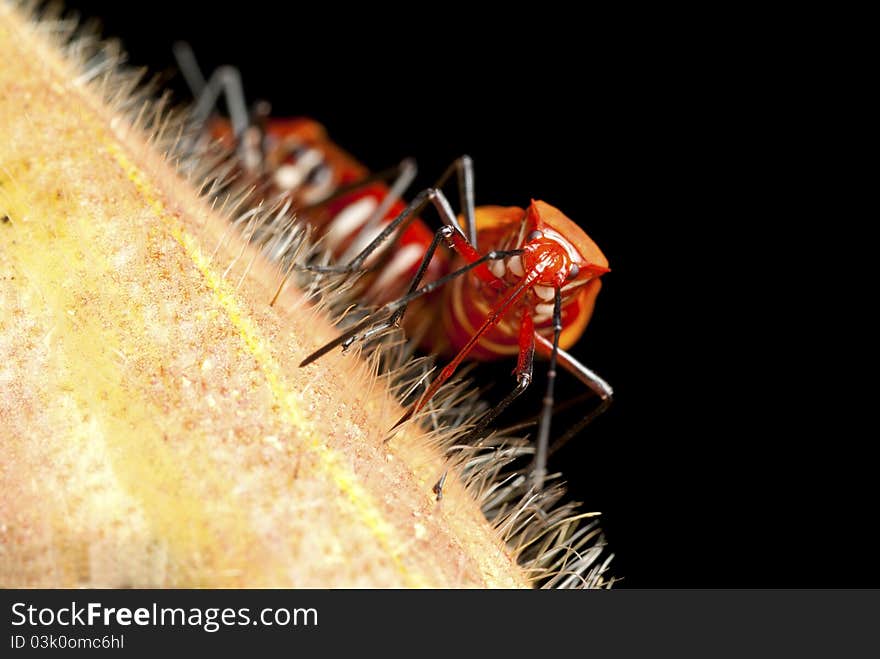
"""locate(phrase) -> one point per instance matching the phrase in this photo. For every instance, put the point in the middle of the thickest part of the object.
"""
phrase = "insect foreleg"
(495, 315)
(524, 369)
(539, 468)
(596, 384)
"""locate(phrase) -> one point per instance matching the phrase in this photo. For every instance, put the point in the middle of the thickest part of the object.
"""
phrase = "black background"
(731, 456)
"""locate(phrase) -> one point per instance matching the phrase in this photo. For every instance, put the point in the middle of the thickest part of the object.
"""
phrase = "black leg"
(399, 223)
(462, 166)
(596, 384)
(580, 425)
(403, 175)
(438, 486)
(394, 320)
(401, 303)
(524, 371)
(464, 169)
(225, 81)
(539, 467)
(189, 67)
(557, 410)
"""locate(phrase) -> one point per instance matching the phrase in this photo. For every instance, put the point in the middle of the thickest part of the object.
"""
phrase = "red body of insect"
(468, 302)
(298, 159)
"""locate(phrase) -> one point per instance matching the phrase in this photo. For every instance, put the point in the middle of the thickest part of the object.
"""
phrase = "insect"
(515, 281)
(294, 158)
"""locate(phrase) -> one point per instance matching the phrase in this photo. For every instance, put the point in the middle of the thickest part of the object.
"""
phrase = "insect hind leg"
(225, 81)
(189, 67)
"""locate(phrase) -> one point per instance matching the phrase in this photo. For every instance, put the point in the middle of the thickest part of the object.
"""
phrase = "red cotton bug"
(533, 291)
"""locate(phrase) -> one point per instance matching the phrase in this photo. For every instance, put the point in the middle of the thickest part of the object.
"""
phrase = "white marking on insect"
(399, 266)
(497, 268)
(320, 189)
(544, 292)
(561, 240)
(515, 265)
(349, 220)
(364, 237)
(290, 176)
(543, 309)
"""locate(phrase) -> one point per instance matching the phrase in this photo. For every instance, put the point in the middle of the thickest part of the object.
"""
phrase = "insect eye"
(536, 235)
(573, 271)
